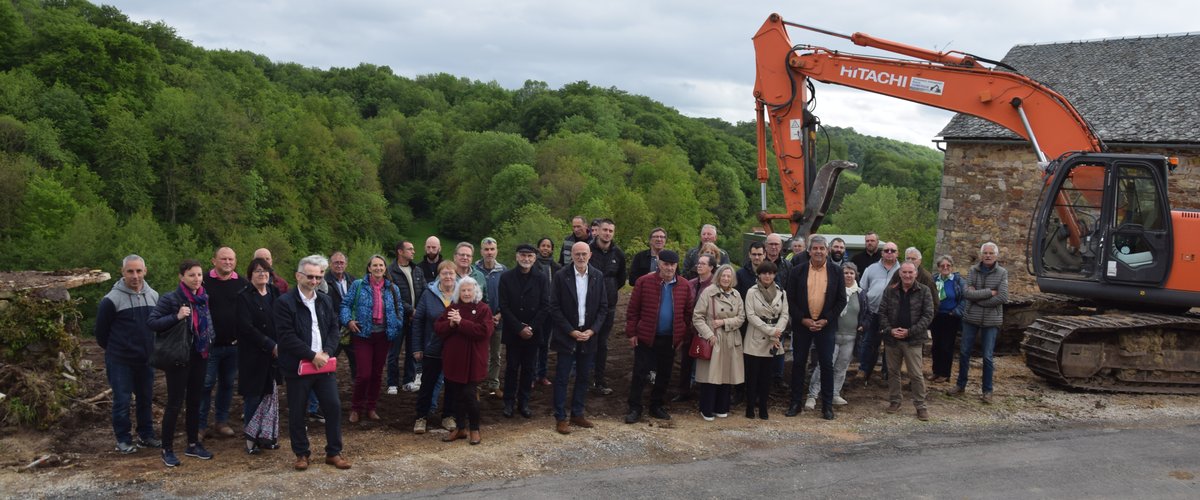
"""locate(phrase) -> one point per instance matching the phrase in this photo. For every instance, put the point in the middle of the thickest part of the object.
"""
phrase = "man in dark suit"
(816, 296)
(524, 301)
(307, 328)
(579, 305)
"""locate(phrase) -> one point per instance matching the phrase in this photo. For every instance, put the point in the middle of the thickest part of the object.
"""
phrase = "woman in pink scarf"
(373, 312)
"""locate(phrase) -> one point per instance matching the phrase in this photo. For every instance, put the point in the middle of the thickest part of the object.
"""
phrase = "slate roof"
(1144, 89)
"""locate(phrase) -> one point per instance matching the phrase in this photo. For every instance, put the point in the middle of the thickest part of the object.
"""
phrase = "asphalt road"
(1151, 460)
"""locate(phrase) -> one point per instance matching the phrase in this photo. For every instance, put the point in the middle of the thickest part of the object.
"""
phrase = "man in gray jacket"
(987, 291)
(122, 332)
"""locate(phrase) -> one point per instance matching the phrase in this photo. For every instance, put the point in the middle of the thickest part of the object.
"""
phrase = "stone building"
(1141, 95)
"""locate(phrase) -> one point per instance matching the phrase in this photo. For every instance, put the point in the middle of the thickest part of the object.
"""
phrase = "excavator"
(1103, 229)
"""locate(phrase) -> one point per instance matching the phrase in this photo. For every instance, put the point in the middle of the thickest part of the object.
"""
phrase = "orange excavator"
(1103, 229)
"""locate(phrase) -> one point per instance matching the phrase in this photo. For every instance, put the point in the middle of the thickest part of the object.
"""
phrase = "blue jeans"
(411, 366)
(988, 340)
(869, 350)
(130, 380)
(581, 361)
(222, 373)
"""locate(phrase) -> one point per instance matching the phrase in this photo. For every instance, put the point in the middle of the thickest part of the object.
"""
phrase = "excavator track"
(1122, 352)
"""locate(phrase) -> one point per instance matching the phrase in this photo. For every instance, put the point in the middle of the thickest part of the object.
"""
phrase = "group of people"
(450, 318)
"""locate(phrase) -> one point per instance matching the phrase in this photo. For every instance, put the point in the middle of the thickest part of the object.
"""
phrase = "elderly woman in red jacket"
(465, 329)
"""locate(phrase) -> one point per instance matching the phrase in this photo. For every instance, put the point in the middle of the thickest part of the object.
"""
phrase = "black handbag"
(173, 347)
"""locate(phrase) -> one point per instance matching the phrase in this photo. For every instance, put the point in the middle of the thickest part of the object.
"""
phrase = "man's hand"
(496, 319)
(320, 359)
(417, 355)
(633, 342)
(526, 332)
(900, 333)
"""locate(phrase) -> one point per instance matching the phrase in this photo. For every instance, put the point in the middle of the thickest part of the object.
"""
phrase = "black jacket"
(612, 265)
(334, 293)
(222, 304)
(397, 277)
(293, 329)
(523, 302)
(835, 296)
(640, 266)
(564, 305)
(257, 368)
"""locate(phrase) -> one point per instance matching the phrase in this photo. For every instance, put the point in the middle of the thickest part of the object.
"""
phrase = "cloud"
(695, 56)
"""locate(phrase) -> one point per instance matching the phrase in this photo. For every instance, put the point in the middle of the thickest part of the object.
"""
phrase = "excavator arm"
(946, 80)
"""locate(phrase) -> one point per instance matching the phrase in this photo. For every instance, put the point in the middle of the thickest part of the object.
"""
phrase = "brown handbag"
(700, 348)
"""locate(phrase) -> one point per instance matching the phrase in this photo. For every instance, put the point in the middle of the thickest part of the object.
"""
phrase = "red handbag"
(700, 348)
(308, 368)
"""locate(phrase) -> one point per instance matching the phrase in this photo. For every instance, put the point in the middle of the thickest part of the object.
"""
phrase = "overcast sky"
(695, 56)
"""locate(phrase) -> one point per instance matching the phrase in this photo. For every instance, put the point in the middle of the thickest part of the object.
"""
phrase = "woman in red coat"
(466, 330)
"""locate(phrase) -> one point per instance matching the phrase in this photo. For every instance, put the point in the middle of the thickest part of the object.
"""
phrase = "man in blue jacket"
(127, 341)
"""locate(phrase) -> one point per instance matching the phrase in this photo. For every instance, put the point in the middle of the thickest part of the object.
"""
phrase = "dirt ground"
(389, 458)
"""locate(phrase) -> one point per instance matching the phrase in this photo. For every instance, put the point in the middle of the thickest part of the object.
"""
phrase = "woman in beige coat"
(767, 315)
(718, 319)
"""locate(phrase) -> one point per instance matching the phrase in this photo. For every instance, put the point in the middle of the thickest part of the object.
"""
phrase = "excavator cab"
(1103, 220)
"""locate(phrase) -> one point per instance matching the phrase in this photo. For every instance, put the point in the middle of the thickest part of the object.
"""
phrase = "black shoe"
(749, 412)
(681, 397)
(525, 411)
(762, 414)
(268, 444)
(827, 412)
(508, 410)
(633, 416)
(317, 417)
(659, 413)
(793, 410)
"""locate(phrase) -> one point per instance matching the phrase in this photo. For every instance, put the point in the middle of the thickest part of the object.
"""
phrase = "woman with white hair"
(465, 328)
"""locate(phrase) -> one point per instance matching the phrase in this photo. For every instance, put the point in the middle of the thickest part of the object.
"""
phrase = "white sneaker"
(706, 417)
(838, 401)
(810, 403)
(393, 390)
(419, 426)
(413, 386)
(449, 424)
(722, 415)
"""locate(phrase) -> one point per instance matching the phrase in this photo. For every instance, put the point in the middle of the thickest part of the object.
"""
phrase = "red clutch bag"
(308, 368)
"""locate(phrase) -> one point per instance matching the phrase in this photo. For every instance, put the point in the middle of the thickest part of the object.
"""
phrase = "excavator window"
(1079, 204)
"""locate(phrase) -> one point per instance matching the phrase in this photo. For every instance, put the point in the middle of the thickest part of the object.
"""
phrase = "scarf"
(768, 292)
(850, 291)
(376, 299)
(941, 285)
(201, 318)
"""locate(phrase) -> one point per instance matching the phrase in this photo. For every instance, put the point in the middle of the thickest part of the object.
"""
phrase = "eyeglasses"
(889, 250)
(314, 277)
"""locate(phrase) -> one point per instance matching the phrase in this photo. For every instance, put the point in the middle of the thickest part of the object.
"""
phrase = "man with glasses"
(646, 261)
(874, 281)
(307, 329)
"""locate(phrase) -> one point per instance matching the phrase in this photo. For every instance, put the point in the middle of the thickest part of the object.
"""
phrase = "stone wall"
(989, 192)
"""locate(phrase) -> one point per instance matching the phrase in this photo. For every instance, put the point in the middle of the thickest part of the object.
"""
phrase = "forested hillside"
(120, 137)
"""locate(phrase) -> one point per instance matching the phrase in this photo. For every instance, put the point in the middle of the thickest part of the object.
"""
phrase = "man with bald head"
(222, 284)
(578, 304)
(905, 312)
(433, 257)
(276, 280)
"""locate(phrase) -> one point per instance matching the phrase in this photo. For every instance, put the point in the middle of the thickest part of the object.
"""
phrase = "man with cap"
(656, 323)
(524, 302)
